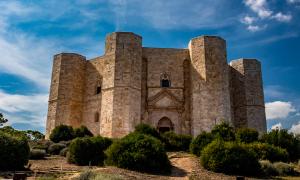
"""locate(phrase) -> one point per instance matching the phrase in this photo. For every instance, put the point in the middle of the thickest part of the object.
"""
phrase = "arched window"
(164, 80)
(98, 87)
(96, 117)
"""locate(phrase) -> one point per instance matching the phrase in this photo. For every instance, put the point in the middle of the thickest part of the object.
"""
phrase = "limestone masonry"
(184, 90)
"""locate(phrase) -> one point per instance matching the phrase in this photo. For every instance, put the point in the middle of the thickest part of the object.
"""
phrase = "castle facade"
(184, 90)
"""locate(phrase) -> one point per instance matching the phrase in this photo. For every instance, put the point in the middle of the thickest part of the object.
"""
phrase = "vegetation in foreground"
(222, 150)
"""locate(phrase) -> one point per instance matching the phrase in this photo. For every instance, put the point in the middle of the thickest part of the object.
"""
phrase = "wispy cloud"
(25, 109)
(295, 128)
(263, 13)
(276, 126)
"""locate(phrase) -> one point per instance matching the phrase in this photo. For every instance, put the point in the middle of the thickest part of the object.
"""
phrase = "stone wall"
(247, 94)
(204, 90)
(210, 98)
(66, 91)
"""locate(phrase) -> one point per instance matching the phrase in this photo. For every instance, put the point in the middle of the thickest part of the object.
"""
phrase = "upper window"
(96, 117)
(165, 80)
(98, 90)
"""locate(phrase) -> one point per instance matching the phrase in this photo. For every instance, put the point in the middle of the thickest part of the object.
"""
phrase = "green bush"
(14, 152)
(200, 142)
(269, 152)
(148, 130)
(55, 148)
(64, 152)
(284, 140)
(40, 144)
(246, 135)
(82, 131)
(223, 131)
(139, 152)
(284, 169)
(268, 168)
(37, 154)
(62, 133)
(229, 158)
(176, 142)
(88, 150)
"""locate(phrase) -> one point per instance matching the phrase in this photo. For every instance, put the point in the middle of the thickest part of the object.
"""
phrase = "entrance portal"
(164, 125)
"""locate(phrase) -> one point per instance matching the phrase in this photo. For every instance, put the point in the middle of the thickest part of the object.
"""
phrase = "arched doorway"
(164, 125)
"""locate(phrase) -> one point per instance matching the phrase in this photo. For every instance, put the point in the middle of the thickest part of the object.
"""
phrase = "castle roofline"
(124, 32)
(243, 60)
(208, 36)
(69, 54)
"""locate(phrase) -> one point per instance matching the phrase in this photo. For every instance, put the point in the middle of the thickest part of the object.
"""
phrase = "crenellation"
(184, 90)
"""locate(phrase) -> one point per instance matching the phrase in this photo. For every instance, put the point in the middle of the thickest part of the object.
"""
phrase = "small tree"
(62, 133)
(148, 130)
(2, 120)
(246, 135)
(200, 142)
(223, 131)
(82, 131)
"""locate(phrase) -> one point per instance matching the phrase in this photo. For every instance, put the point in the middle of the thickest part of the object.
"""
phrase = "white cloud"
(259, 7)
(26, 109)
(254, 28)
(248, 20)
(293, 1)
(276, 126)
(295, 128)
(282, 17)
(279, 109)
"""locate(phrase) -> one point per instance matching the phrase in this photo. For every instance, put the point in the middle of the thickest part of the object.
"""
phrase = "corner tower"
(66, 91)
(123, 100)
(247, 94)
(210, 95)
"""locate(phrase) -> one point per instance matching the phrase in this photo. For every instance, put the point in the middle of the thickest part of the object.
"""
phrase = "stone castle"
(184, 90)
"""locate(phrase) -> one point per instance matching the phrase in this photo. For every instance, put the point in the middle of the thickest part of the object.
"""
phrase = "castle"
(184, 90)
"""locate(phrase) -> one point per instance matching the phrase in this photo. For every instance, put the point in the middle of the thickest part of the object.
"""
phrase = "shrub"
(284, 140)
(86, 175)
(148, 130)
(87, 150)
(246, 135)
(62, 133)
(269, 152)
(66, 143)
(230, 158)
(200, 142)
(56, 148)
(268, 168)
(64, 152)
(14, 152)
(284, 169)
(139, 152)
(40, 144)
(176, 142)
(82, 131)
(37, 154)
(223, 131)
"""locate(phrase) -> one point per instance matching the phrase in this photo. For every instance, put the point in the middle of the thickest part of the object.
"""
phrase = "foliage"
(14, 152)
(29, 134)
(37, 154)
(88, 150)
(64, 152)
(91, 175)
(147, 130)
(284, 140)
(62, 133)
(56, 148)
(82, 131)
(284, 169)
(223, 131)
(268, 168)
(34, 135)
(176, 142)
(230, 158)
(269, 152)
(200, 142)
(2, 120)
(246, 135)
(139, 152)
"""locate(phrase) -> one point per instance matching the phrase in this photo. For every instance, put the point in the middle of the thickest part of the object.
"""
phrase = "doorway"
(164, 125)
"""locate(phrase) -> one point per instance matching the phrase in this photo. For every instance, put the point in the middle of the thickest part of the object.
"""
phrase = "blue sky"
(32, 31)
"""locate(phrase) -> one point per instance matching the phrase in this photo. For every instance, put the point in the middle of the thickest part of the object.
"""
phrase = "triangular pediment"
(164, 99)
